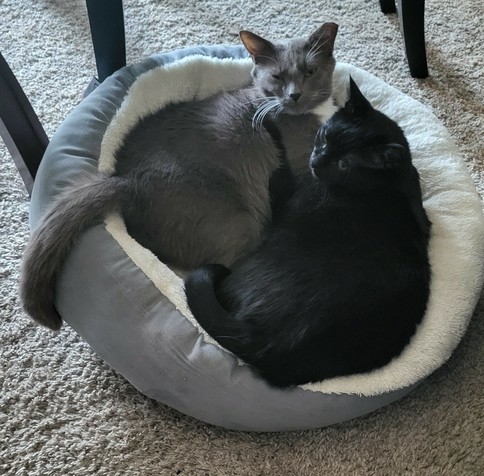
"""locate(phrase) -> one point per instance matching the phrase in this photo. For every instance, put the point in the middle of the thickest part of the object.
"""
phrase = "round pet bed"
(131, 309)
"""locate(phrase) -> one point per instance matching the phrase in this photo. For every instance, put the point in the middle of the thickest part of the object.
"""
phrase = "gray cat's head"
(296, 74)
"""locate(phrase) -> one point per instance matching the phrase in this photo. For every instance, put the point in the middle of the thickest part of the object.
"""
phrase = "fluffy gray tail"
(82, 206)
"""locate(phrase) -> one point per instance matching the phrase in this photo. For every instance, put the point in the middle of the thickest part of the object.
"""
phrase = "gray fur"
(192, 179)
(49, 245)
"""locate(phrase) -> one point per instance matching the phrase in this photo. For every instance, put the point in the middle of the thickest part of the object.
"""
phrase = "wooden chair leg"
(411, 15)
(20, 127)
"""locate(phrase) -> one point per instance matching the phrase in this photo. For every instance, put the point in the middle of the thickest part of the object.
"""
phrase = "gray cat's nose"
(295, 96)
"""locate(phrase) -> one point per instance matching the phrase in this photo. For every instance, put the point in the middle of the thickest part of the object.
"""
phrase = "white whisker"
(262, 112)
(314, 50)
(279, 109)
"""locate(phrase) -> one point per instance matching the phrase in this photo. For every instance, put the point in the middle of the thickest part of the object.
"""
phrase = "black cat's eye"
(343, 164)
(276, 76)
(310, 72)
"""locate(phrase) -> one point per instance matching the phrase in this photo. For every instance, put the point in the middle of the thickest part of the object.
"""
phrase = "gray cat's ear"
(322, 40)
(386, 157)
(357, 103)
(259, 48)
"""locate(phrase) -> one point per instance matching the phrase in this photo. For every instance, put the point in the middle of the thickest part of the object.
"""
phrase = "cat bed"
(131, 309)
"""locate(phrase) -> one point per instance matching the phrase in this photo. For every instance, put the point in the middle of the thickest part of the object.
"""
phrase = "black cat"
(343, 280)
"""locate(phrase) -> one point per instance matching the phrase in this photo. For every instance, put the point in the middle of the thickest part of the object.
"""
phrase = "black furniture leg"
(411, 14)
(20, 127)
(388, 6)
(106, 20)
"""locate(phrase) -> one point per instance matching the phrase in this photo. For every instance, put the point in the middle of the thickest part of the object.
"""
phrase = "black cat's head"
(359, 148)
(294, 75)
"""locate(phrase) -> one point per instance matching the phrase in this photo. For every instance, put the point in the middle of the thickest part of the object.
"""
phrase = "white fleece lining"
(192, 77)
(450, 199)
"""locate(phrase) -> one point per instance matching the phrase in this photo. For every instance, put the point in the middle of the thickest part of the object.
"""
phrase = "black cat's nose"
(295, 96)
(314, 161)
(316, 165)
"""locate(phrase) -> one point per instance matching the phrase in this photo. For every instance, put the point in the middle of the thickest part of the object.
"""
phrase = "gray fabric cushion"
(113, 305)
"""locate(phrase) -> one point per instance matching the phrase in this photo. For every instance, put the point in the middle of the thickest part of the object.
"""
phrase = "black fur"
(343, 280)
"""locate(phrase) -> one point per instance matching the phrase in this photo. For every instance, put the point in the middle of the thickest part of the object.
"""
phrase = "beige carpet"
(64, 412)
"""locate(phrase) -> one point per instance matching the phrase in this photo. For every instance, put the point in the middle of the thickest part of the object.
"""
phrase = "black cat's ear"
(357, 103)
(322, 40)
(258, 48)
(387, 157)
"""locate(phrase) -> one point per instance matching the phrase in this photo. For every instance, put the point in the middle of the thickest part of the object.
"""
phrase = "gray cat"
(192, 180)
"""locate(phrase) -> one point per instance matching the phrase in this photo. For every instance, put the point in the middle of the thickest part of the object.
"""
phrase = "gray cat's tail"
(82, 206)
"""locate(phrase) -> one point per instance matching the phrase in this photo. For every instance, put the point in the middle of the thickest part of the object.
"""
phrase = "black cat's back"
(358, 291)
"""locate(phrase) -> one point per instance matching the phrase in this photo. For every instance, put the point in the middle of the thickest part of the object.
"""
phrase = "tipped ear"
(322, 40)
(357, 103)
(387, 157)
(259, 48)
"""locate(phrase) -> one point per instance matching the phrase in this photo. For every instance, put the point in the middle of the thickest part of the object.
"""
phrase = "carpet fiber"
(65, 412)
